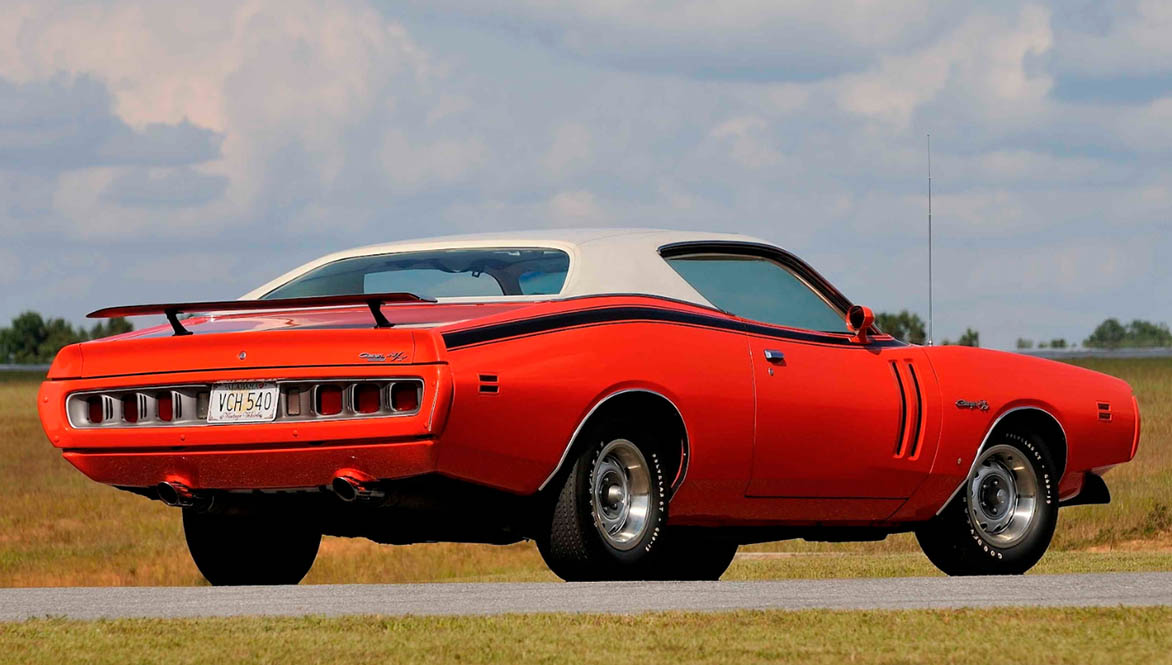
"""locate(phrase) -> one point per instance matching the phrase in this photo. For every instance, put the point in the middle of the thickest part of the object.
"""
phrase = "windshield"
(444, 273)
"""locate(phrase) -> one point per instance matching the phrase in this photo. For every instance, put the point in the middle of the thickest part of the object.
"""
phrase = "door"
(842, 421)
(839, 421)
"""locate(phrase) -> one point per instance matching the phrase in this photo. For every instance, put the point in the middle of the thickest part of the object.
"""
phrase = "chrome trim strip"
(435, 403)
(132, 389)
(985, 441)
(577, 430)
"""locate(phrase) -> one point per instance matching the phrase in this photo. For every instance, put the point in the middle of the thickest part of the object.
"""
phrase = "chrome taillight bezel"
(189, 403)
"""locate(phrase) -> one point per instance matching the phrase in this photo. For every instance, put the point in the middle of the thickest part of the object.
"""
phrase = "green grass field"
(1005, 635)
(59, 528)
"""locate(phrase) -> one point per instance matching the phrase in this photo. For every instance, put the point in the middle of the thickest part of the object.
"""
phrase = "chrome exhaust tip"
(175, 494)
(351, 489)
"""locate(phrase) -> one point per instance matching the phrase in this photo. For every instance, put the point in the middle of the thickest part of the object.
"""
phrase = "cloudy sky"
(151, 151)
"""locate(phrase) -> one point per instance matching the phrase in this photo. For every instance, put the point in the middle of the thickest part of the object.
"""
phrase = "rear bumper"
(277, 455)
(279, 468)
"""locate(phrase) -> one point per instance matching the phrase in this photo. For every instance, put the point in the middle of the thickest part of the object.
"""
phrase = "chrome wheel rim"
(620, 494)
(1003, 495)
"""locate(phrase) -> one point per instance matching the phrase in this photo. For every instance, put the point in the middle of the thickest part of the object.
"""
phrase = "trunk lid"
(337, 336)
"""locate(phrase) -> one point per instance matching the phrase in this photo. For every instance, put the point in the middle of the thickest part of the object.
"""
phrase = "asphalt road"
(1099, 590)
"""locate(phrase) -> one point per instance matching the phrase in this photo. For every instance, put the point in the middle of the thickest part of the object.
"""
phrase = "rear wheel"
(234, 550)
(610, 509)
(1002, 520)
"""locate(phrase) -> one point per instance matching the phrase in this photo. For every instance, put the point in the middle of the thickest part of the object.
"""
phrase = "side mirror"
(859, 320)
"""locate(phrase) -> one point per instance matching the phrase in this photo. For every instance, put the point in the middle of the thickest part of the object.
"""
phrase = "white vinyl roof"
(601, 260)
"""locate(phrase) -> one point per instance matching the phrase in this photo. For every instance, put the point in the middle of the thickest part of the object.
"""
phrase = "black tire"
(959, 541)
(690, 555)
(572, 539)
(235, 550)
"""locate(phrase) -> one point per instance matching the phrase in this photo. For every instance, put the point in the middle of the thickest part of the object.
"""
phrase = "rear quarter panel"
(547, 384)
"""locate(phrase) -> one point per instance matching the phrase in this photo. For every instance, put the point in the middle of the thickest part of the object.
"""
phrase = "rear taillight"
(130, 408)
(405, 396)
(328, 401)
(367, 397)
(164, 407)
(95, 410)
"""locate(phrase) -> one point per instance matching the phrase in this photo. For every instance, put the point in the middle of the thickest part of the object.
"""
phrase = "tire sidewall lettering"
(1043, 474)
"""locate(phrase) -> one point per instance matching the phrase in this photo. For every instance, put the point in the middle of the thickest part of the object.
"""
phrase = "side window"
(757, 288)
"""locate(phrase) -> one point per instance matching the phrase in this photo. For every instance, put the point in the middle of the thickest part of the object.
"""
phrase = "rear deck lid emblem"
(393, 356)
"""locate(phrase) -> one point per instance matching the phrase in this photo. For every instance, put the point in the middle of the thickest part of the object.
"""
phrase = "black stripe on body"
(553, 322)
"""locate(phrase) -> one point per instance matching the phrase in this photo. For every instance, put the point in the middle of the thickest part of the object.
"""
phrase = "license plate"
(243, 403)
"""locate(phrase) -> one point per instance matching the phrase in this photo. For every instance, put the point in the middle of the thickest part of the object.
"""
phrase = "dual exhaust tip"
(348, 487)
(177, 495)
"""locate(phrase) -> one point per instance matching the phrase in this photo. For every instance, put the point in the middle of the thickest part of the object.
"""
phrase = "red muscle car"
(638, 402)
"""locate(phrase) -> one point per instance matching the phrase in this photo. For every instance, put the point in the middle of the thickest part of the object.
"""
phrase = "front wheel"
(1002, 520)
(610, 509)
(235, 550)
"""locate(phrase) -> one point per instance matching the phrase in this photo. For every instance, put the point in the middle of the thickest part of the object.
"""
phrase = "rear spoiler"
(374, 301)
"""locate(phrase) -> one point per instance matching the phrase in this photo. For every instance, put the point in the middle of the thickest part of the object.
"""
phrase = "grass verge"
(1017, 635)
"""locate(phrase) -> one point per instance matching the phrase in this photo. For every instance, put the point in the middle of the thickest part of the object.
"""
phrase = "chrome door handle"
(774, 356)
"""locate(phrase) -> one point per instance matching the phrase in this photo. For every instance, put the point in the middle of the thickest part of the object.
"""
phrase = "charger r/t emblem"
(394, 356)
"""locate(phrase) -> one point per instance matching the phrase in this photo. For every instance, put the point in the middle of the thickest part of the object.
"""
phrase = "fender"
(985, 442)
(582, 423)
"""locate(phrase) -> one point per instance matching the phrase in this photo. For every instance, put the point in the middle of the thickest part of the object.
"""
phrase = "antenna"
(929, 239)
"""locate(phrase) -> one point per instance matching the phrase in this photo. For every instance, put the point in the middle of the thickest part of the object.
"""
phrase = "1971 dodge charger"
(638, 402)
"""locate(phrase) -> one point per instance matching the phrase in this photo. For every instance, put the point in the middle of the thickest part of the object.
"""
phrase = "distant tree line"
(1110, 334)
(904, 325)
(32, 339)
(1059, 343)
(910, 328)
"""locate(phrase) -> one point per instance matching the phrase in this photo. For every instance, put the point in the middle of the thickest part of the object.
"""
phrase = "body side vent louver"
(489, 384)
(918, 424)
(899, 441)
(911, 410)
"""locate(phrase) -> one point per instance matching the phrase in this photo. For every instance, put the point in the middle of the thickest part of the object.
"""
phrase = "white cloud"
(788, 97)
(10, 266)
(195, 267)
(751, 39)
(1011, 166)
(411, 165)
(1145, 128)
(265, 75)
(984, 58)
(576, 208)
(1131, 41)
(748, 141)
(572, 148)
(1081, 268)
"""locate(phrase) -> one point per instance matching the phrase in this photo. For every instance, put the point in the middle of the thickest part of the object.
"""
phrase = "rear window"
(446, 273)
